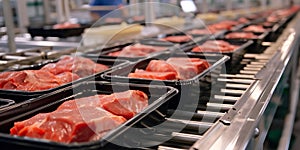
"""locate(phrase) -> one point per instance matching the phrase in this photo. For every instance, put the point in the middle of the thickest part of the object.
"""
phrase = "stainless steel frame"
(246, 124)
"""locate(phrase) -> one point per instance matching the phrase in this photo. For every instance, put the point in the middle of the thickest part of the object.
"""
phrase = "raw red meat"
(69, 125)
(84, 119)
(34, 80)
(126, 104)
(50, 76)
(188, 67)
(200, 32)
(113, 20)
(273, 19)
(138, 18)
(241, 35)
(78, 65)
(18, 126)
(137, 50)
(66, 77)
(255, 28)
(116, 53)
(81, 102)
(215, 46)
(153, 75)
(174, 68)
(160, 66)
(4, 76)
(243, 20)
(268, 24)
(66, 25)
(224, 25)
(178, 38)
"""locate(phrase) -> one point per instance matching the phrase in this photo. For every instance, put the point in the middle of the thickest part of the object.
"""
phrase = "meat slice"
(137, 50)
(160, 66)
(66, 25)
(69, 125)
(31, 80)
(84, 119)
(81, 102)
(224, 25)
(126, 104)
(241, 35)
(35, 80)
(215, 46)
(78, 65)
(67, 77)
(243, 20)
(19, 126)
(116, 53)
(200, 32)
(153, 75)
(178, 38)
(255, 28)
(174, 68)
(187, 67)
(4, 78)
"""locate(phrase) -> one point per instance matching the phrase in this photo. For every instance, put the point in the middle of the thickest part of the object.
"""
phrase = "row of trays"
(21, 105)
(100, 56)
(163, 94)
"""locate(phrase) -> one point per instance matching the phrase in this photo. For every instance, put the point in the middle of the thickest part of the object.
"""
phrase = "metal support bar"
(47, 12)
(229, 5)
(204, 6)
(263, 4)
(59, 11)
(134, 9)
(8, 17)
(149, 12)
(23, 20)
(247, 4)
(284, 142)
(66, 5)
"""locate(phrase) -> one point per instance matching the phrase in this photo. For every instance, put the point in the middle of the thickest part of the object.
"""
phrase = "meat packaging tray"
(159, 96)
(103, 52)
(194, 38)
(20, 96)
(6, 102)
(235, 56)
(257, 41)
(121, 74)
(203, 35)
(48, 31)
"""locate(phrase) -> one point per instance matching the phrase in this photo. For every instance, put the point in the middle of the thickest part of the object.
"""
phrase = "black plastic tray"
(20, 96)
(159, 96)
(48, 31)
(257, 41)
(266, 29)
(121, 74)
(103, 53)
(235, 55)
(6, 102)
(195, 38)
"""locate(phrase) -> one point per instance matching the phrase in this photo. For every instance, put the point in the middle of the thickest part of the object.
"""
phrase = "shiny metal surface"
(237, 127)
